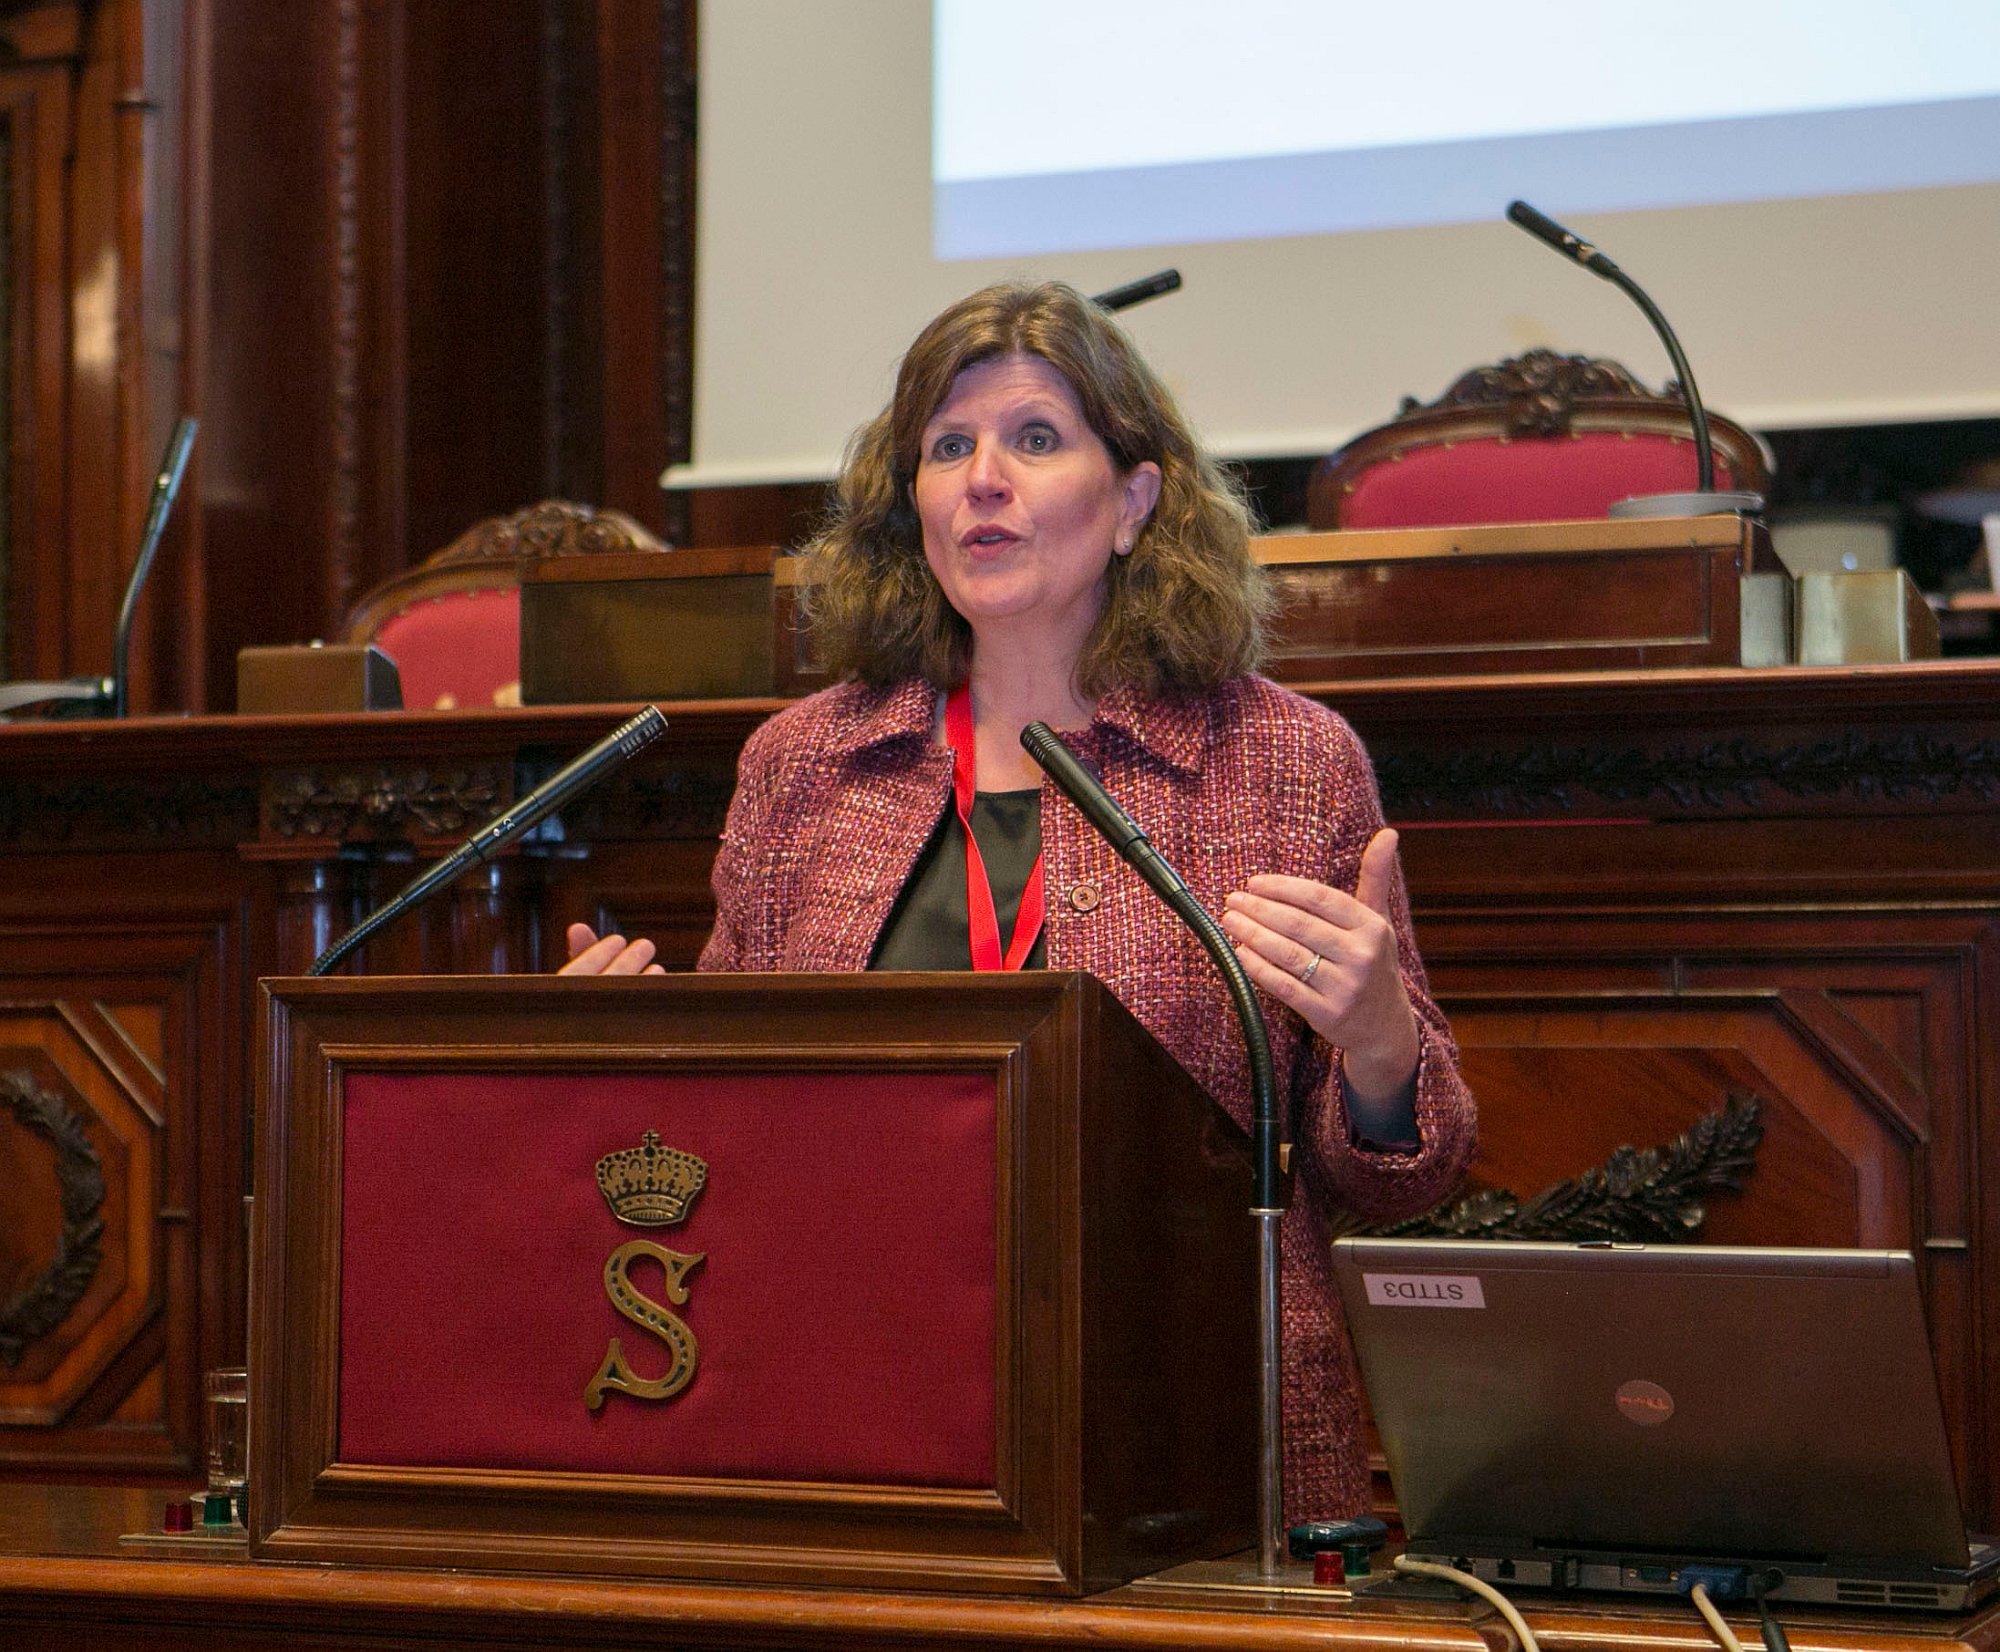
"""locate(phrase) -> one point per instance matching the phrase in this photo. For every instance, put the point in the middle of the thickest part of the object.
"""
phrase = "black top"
(928, 927)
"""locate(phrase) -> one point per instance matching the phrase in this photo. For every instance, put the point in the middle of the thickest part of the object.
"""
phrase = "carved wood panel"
(117, 1047)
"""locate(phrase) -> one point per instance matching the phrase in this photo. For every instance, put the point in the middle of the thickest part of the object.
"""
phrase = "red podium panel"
(925, 1281)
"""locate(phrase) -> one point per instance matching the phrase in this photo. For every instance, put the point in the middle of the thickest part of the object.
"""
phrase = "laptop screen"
(1697, 1400)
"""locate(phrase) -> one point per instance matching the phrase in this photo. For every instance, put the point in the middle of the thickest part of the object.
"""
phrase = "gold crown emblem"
(650, 1185)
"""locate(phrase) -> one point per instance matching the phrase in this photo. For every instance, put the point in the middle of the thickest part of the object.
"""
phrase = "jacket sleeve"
(1382, 1185)
(745, 837)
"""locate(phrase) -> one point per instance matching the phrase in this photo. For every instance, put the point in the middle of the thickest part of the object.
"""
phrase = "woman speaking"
(1029, 533)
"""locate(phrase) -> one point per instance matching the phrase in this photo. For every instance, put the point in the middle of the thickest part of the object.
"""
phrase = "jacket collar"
(1173, 731)
(864, 717)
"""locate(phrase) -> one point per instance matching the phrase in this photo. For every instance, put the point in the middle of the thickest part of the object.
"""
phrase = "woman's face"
(1022, 507)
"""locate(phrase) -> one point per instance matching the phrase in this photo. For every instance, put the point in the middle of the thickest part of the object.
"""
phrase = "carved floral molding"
(46, 1300)
(1540, 390)
(1909, 769)
(381, 802)
(1651, 1195)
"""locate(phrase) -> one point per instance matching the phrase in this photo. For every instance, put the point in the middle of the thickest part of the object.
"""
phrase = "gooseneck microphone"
(1580, 251)
(1123, 833)
(1137, 292)
(621, 743)
(108, 696)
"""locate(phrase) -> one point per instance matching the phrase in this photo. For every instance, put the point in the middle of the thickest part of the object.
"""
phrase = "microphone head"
(1536, 223)
(1567, 242)
(639, 731)
(1137, 292)
(1041, 742)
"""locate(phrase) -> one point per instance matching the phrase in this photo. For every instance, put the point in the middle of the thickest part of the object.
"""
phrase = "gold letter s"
(644, 1312)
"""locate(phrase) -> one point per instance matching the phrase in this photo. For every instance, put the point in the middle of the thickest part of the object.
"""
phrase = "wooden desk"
(1635, 893)
(67, 1586)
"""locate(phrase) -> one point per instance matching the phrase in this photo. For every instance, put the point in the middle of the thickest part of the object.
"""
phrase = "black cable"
(1772, 1631)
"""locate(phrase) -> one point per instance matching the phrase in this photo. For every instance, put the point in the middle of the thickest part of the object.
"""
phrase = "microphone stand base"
(71, 697)
(1688, 504)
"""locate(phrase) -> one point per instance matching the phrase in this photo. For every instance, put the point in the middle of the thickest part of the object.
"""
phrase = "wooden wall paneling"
(1823, 836)
(38, 108)
(1822, 934)
(486, 918)
(436, 286)
(118, 69)
(367, 154)
(475, 169)
(270, 467)
(592, 252)
(169, 646)
(780, 513)
(123, 314)
(188, 540)
(96, 273)
(679, 171)
(629, 305)
(122, 1006)
(1593, 1071)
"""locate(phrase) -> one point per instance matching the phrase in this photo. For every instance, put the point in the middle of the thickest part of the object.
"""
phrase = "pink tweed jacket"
(837, 795)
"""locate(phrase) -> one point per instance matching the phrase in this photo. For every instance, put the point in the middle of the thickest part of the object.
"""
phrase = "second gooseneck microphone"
(1137, 292)
(621, 743)
(1573, 247)
(166, 485)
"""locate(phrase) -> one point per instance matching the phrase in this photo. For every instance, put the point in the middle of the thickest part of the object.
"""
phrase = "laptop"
(1606, 1416)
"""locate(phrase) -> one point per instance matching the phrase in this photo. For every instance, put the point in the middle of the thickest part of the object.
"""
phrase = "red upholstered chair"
(452, 624)
(1540, 438)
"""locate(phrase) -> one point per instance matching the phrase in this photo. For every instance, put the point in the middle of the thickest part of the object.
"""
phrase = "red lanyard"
(979, 915)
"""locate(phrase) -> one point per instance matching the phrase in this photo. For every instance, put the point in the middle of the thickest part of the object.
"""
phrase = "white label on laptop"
(1424, 1290)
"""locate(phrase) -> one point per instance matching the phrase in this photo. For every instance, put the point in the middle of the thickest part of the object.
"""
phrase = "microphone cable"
(1773, 1632)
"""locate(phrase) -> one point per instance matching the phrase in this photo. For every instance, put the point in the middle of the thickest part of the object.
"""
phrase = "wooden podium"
(901, 1281)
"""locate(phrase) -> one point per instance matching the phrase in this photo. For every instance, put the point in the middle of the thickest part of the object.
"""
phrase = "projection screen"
(1809, 188)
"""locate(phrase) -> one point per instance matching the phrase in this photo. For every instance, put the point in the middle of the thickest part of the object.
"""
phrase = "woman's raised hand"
(590, 954)
(1332, 957)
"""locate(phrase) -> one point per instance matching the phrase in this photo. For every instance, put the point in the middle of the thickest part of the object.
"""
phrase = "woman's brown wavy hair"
(1185, 611)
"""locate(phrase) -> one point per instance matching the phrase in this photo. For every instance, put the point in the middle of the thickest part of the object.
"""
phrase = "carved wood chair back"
(1539, 437)
(452, 624)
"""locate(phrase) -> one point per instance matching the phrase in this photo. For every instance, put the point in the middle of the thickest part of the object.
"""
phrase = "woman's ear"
(1141, 494)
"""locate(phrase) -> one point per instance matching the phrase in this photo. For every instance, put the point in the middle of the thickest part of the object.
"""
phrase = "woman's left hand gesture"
(1332, 957)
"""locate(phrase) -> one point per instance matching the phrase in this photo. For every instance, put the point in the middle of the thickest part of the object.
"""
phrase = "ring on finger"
(1306, 974)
